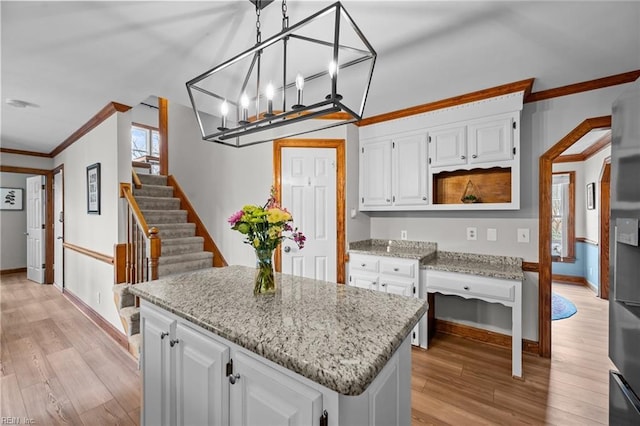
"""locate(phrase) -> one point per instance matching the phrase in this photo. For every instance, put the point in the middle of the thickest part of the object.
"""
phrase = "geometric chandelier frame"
(311, 76)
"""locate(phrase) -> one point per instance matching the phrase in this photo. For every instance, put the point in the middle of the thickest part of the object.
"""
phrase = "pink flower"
(235, 218)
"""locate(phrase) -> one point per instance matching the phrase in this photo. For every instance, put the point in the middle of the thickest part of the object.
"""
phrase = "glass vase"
(265, 281)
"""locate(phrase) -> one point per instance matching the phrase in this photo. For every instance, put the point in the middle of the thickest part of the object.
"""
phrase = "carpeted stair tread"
(174, 246)
(174, 230)
(178, 268)
(153, 191)
(122, 296)
(157, 203)
(180, 258)
(165, 216)
(131, 315)
(135, 342)
(149, 179)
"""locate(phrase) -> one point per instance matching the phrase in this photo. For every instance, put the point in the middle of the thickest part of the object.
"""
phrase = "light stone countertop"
(419, 250)
(336, 335)
(505, 267)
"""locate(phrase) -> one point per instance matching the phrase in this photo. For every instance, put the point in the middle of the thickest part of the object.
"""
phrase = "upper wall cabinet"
(434, 162)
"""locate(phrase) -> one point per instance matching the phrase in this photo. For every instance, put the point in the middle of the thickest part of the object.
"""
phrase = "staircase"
(182, 251)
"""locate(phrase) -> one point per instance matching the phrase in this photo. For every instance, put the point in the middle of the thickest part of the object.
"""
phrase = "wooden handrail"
(136, 179)
(93, 254)
(192, 216)
(125, 192)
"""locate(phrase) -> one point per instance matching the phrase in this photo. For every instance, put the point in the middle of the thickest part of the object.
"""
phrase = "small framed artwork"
(11, 198)
(591, 196)
(93, 189)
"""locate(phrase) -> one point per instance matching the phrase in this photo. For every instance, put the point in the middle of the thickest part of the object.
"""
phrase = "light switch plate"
(492, 234)
(523, 235)
(403, 235)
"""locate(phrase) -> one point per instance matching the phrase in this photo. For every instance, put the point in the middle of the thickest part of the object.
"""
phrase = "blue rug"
(561, 307)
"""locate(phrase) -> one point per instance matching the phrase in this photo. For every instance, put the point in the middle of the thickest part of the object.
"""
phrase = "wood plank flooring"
(57, 367)
(462, 382)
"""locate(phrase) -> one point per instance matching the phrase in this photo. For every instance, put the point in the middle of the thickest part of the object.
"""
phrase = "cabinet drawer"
(395, 267)
(363, 263)
(470, 286)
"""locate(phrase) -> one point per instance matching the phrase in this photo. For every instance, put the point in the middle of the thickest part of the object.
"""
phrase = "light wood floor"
(57, 367)
(460, 382)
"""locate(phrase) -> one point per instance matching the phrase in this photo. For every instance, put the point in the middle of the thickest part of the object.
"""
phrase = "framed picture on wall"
(93, 189)
(591, 196)
(11, 198)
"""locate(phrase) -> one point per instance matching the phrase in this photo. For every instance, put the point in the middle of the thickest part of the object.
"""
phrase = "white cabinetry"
(393, 171)
(389, 275)
(474, 144)
(191, 376)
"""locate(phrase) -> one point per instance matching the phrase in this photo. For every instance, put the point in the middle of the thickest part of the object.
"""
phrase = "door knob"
(287, 249)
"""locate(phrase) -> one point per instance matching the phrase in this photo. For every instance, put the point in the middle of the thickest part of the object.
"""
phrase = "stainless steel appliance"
(624, 261)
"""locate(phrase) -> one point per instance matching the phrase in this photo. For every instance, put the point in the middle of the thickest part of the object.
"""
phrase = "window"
(562, 217)
(145, 145)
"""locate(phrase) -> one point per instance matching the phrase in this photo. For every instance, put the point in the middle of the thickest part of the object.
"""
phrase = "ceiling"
(69, 59)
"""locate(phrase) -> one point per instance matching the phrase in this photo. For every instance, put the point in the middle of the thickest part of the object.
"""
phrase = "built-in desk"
(494, 279)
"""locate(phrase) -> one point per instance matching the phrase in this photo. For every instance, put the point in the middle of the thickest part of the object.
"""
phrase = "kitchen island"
(312, 353)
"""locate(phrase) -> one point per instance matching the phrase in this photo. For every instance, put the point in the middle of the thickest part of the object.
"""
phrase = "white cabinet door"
(375, 173)
(157, 331)
(264, 396)
(410, 170)
(448, 146)
(491, 140)
(364, 281)
(395, 286)
(202, 388)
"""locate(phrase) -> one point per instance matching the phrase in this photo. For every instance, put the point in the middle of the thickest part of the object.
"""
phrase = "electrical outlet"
(403, 235)
(523, 235)
(472, 234)
(492, 234)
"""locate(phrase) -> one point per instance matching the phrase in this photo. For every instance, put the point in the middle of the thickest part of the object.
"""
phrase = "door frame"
(48, 249)
(604, 220)
(544, 225)
(339, 146)
(54, 172)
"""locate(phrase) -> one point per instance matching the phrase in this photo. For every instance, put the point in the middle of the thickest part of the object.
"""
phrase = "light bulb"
(299, 82)
(244, 100)
(333, 69)
(270, 91)
(224, 109)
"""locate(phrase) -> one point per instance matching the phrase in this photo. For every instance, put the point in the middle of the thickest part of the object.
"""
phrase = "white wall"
(13, 225)
(108, 144)
(17, 160)
(592, 171)
(219, 180)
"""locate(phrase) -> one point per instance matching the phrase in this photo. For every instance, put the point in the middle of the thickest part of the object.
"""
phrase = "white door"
(309, 192)
(35, 228)
(263, 396)
(58, 228)
(202, 388)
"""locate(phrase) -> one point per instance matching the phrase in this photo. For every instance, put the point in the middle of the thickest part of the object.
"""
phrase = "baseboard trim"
(97, 319)
(12, 271)
(485, 336)
(569, 279)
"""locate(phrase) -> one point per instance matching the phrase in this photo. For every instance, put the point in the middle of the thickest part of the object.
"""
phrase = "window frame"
(149, 154)
(571, 220)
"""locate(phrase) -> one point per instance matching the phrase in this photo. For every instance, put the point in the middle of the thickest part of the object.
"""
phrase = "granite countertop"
(419, 250)
(336, 335)
(505, 267)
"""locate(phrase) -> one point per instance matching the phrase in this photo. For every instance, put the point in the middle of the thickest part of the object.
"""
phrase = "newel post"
(154, 241)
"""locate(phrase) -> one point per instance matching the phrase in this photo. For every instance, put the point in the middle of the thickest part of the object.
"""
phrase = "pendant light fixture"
(310, 76)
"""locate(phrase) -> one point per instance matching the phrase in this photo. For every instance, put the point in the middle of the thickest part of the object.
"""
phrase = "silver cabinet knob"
(396, 269)
(474, 156)
(26, 233)
(163, 335)
(462, 157)
(362, 265)
(466, 287)
(388, 200)
(233, 378)
(59, 238)
(173, 342)
(286, 249)
(383, 284)
(424, 198)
